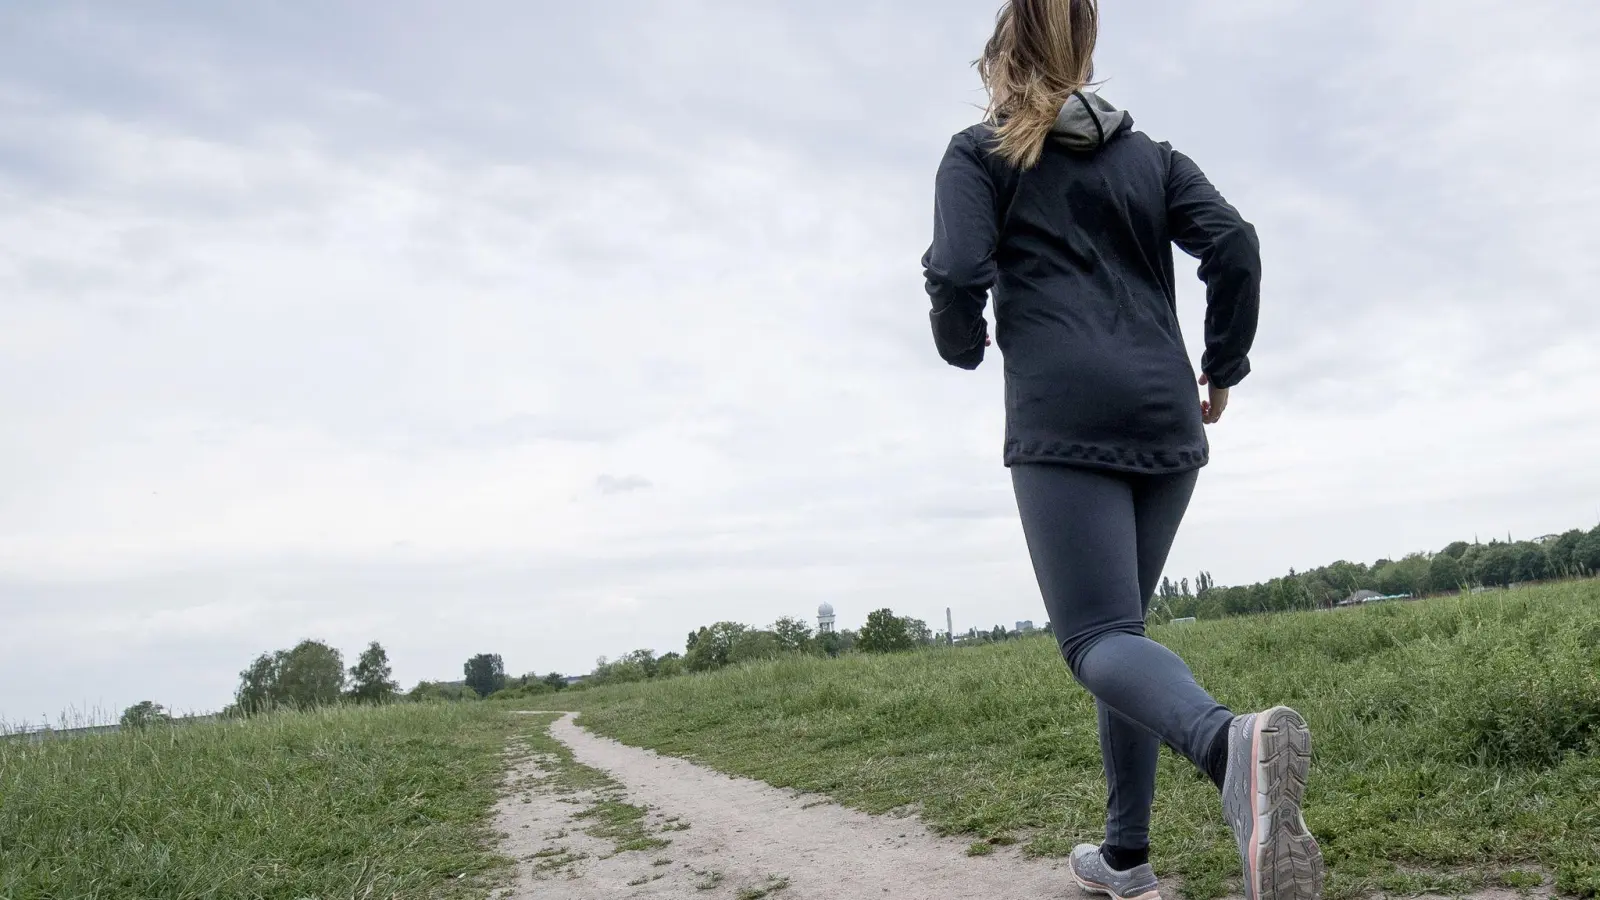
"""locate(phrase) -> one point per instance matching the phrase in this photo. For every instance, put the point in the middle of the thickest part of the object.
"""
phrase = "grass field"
(1457, 740)
(354, 802)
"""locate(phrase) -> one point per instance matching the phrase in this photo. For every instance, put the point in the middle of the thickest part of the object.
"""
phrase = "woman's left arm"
(959, 266)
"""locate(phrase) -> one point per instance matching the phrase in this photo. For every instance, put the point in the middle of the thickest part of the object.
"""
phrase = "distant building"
(825, 619)
(1024, 626)
(1360, 597)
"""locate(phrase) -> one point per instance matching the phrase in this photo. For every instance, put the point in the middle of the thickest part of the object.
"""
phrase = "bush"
(710, 647)
(144, 714)
(640, 665)
(427, 691)
(522, 691)
(1529, 705)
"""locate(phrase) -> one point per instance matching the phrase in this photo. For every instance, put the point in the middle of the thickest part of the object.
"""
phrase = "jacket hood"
(1087, 121)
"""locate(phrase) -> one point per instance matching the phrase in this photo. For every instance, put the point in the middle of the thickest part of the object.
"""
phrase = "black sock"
(1217, 757)
(1124, 858)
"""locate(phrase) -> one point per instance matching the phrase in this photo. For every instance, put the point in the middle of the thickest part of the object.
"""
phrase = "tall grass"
(353, 802)
(1457, 739)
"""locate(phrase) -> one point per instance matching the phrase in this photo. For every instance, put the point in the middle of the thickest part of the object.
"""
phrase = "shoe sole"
(1283, 861)
(1095, 888)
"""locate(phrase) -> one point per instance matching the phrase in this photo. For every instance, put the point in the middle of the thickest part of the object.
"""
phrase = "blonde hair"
(1042, 53)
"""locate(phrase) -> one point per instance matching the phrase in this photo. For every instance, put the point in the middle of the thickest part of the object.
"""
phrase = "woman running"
(1069, 215)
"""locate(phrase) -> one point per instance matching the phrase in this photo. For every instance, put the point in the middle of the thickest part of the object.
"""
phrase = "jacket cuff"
(1226, 375)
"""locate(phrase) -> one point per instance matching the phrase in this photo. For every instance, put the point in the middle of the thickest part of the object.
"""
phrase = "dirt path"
(742, 837)
(718, 837)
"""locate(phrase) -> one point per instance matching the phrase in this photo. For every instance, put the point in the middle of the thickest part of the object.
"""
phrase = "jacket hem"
(1119, 459)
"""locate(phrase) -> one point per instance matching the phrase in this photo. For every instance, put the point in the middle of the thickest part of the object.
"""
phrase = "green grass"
(1457, 740)
(354, 802)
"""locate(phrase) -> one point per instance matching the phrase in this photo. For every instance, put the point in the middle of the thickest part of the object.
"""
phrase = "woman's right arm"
(1205, 226)
(959, 266)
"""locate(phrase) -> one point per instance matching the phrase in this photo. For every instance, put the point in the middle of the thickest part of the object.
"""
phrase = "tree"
(712, 645)
(1445, 573)
(753, 645)
(307, 676)
(884, 633)
(1530, 562)
(1587, 552)
(1290, 593)
(371, 678)
(258, 684)
(670, 665)
(558, 681)
(640, 665)
(311, 675)
(1456, 549)
(1404, 576)
(793, 634)
(1495, 565)
(645, 659)
(1347, 577)
(1563, 554)
(485, 673)
(920, 633)
(829, 643)
(144, 714)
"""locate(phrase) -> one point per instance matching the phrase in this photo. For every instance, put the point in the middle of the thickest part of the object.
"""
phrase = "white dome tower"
(825, 619)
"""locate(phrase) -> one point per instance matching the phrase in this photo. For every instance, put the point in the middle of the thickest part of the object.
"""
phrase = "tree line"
(723, 644)
(312, 673)
(1459, 566)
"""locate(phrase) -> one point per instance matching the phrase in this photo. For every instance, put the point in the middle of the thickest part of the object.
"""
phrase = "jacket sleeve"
(959, 266)
(1205, 226)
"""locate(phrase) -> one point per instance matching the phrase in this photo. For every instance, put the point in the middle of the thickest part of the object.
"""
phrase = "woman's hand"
(1211, 410)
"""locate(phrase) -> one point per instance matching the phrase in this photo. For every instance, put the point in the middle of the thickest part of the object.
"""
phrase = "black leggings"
(1099, 541)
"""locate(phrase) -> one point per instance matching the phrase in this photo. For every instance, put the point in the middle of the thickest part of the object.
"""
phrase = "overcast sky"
(558, 329)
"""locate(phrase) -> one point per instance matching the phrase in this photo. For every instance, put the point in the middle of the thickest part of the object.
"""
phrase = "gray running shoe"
(1269, 756)
(1090, 871)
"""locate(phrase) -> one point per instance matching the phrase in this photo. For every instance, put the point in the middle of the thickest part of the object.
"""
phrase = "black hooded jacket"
(1078, 251)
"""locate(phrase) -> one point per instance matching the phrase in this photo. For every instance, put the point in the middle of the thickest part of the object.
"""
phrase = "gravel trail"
(743, 837)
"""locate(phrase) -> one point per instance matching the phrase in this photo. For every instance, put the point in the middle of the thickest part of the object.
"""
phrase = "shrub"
(426, 691)
(144, 714)
(1529, 704)
(522, 691)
